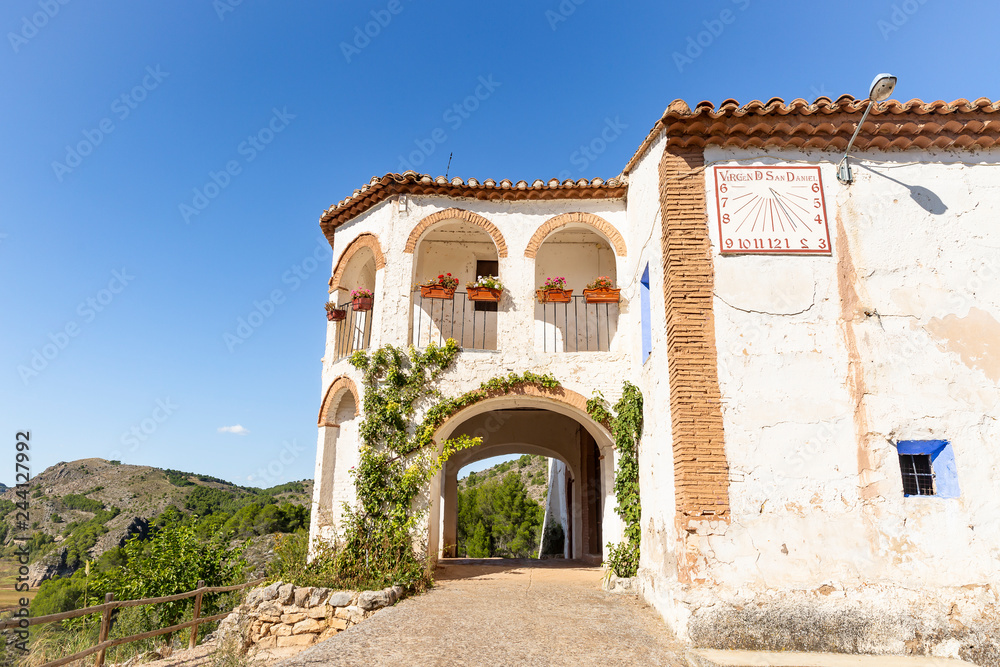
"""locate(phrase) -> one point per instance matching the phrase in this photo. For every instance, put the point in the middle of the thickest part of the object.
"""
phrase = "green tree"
(479, 544)
(172, 561)
(60, 594)
(510, 520)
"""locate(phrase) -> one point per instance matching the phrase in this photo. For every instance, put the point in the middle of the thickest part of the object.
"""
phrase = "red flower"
(448, 274)
(441, 276)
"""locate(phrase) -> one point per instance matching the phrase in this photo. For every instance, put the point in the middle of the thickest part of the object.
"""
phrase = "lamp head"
(882, 86)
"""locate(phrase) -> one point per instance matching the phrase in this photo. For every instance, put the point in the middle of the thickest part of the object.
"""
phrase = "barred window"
(918, 474)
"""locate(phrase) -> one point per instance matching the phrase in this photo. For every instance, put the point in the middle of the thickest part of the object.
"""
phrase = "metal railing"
(576, 326)
(353, 333)
(437, 320)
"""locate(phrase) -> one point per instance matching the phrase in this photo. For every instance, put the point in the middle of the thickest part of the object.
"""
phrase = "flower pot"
(362, 303)
(338, 315)
(554, 295)
(484, 294)
(437, 292)
(602, 295)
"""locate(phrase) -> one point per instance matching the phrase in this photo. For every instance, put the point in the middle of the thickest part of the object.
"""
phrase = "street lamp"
(881, 88)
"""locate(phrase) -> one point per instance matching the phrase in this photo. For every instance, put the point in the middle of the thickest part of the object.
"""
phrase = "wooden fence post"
(197, 614)
(105, 628)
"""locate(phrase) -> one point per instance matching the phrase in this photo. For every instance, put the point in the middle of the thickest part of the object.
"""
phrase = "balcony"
(576, 326)
(354, 332)
(471, 323)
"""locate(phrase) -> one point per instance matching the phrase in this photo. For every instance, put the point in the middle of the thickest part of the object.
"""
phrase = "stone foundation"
(283, 615)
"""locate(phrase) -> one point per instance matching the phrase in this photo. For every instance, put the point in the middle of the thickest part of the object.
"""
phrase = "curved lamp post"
(881, 88)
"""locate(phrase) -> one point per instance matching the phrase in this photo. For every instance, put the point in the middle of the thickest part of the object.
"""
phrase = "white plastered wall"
(657, 555)
(825, 362)
(581, 372)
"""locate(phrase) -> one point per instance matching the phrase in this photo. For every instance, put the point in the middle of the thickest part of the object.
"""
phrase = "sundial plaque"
(773, 210)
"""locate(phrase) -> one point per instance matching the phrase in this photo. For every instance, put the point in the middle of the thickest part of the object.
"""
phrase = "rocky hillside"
(79, 510)
(533, 471)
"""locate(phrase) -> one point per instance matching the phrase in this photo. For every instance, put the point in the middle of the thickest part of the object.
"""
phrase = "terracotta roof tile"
(410, 182)
(825, 123)
(821, 124)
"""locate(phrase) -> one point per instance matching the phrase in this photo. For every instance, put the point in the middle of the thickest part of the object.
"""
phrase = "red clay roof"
(827, 124)
(823, 124)
(411, 182)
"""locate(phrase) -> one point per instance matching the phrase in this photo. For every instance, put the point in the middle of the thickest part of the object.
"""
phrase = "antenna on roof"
(448, 168)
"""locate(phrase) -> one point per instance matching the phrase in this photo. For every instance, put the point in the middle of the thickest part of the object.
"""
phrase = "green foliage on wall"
(626, 427)
(395, 466)
(397, 460)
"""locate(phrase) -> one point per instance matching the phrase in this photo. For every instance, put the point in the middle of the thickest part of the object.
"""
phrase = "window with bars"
(918, 475)
(928, 468)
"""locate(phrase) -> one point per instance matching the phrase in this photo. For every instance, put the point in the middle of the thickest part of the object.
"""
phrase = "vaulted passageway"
(580, 489)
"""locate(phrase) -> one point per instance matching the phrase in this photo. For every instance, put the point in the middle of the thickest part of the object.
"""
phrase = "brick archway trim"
(337, 387)
(456, 214)
(365, 240)
(597, 222)
(558, 394)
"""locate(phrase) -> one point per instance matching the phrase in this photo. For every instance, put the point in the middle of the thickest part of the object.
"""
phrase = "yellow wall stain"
(975, 338)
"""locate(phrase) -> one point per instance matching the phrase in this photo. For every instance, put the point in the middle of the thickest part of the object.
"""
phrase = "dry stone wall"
(282, 615)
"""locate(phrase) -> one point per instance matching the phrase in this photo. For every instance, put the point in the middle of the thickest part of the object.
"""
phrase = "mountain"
(81, 509)
(533, 470)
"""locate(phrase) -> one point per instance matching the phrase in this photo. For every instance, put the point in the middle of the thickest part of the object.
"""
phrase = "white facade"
(827, 365)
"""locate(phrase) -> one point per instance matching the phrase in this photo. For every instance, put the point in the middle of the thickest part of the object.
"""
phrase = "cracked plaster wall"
(826, 362)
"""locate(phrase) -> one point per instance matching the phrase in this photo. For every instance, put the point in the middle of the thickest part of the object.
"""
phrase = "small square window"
(918, 476)
(928, 468)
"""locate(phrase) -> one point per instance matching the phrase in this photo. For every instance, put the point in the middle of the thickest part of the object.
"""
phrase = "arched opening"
(338, 419)
(358, 272)
(580, 254)
(466, 251)
(579, 485)
(501, 508)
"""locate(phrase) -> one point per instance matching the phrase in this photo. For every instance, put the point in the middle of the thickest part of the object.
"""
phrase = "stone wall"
(283, 615)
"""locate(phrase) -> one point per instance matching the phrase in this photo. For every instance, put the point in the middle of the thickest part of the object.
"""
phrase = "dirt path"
(506, 614)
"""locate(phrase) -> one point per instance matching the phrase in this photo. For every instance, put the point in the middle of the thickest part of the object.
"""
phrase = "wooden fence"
(110, 604)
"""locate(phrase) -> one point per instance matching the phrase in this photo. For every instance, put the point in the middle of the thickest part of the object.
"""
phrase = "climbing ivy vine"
(396, 461)
(626, 427)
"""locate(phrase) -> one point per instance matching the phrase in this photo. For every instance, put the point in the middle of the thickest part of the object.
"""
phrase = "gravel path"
(505, 613)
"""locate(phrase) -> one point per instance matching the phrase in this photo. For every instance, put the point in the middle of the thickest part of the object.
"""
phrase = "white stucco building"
(820, 362)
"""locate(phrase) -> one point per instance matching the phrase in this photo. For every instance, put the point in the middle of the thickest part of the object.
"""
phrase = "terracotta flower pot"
(484, 294)
(437, 292)
(337, 315)
(554, 295)
(362, 303)
(602, 295)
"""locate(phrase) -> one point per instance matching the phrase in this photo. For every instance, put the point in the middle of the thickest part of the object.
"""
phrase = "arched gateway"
(533, 423)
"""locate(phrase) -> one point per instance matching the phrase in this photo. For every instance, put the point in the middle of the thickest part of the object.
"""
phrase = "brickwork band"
(701, 472)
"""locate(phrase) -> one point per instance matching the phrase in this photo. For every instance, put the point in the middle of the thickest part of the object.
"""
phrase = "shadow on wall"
(924, 197)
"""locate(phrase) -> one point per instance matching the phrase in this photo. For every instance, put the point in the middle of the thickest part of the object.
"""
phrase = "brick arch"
(456, 214)
(336, 390)
(558, 394)
(595, 221)
(365, 240)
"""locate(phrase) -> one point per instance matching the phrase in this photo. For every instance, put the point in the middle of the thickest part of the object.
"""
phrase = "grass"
(10, 598)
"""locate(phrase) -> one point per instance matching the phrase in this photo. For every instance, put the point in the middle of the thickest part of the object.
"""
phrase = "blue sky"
(164, 165)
